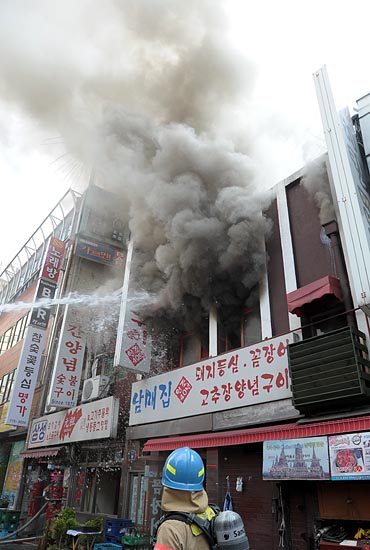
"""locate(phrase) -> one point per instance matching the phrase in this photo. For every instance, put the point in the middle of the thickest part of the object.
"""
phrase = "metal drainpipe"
(331, 230)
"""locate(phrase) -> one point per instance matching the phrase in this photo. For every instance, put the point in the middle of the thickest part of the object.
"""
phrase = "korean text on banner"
(95, 420)
(26, 378)
(69, 361)
(53, 260)
(256, 374)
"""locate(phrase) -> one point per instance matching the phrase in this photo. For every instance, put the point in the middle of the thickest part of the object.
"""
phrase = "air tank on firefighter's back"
(230, 532)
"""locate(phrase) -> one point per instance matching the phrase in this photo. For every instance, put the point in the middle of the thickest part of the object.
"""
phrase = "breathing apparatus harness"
(204, 522)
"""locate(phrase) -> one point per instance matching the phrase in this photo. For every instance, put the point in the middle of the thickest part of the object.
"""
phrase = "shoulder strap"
(189, 518)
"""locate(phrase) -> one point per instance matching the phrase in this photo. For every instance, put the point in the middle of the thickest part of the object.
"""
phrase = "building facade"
(273, 391)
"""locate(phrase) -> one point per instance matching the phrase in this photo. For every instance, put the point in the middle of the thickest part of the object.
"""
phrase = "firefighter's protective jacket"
(177, 535)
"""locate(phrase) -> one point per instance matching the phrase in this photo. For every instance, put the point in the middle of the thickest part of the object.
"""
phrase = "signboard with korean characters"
(53, 260)
(34, 340)
(247, 376)
(133, 344)
(100, 252)
(350, 456)
(94, 420)
(26, 378)
(69, 361)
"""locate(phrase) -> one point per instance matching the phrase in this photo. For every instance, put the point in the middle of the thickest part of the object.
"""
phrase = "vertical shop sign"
(25, 383)
(133, 346)
(155, 491)
(34, 340)
(136, 345)
(40, 315)
(53, 260)
(69, 361)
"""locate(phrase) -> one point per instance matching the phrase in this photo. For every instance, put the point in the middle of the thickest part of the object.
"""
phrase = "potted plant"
(96, 523)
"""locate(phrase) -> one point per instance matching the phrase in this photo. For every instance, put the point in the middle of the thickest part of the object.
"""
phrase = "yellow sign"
(5, 427)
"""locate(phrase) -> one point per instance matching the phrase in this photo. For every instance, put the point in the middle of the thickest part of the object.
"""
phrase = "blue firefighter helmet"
(183, 470)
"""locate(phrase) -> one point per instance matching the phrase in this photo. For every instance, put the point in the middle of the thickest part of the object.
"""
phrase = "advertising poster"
(304, 458)
(350, 456)
(14, 473)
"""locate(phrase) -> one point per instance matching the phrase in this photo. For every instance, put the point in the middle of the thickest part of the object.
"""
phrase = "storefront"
(306, 485)
(69, 461)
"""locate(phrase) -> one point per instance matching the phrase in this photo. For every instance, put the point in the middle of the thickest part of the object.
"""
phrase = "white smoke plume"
(148, 94)
(315, 181)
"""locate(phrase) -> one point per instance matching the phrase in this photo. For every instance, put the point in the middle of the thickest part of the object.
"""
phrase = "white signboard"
(133, 345)
(26, 377)
(34, 341)
(246, 376)
(69, 361)
(95, 420)
(136, 343)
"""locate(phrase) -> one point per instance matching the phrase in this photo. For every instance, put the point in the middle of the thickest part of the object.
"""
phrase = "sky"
(62, 61)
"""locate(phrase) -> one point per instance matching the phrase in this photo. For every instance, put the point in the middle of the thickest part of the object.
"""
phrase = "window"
(193, 348)
(252, 332)
(6, 385)
(14, 334)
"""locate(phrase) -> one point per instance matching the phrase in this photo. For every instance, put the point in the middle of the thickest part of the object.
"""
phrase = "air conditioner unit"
(93, 387)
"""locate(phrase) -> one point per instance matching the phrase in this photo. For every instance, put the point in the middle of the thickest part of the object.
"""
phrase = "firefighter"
(182, 480)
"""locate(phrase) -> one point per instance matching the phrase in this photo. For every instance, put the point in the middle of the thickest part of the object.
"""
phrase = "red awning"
(308, 293)
(255, 435)
(38, 453)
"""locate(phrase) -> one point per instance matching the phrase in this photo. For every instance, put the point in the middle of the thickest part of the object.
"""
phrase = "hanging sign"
(26, 378)
(69, 361)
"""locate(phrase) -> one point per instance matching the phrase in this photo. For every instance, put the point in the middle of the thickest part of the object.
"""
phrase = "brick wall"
(254, 503)
(258, 503)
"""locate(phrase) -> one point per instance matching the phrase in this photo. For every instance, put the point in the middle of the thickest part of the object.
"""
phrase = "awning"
(308, 293)
(256, 435)
(38, 453)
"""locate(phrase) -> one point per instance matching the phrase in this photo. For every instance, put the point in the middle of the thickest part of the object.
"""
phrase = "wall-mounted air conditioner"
(94, 387)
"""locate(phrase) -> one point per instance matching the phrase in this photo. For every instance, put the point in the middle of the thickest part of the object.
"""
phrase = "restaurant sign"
(95, 420)
(246, 376)
(100, 252)
(69, 361)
